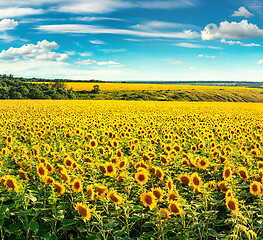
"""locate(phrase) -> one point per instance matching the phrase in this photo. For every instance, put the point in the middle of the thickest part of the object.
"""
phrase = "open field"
(130, 170)
(88, 86)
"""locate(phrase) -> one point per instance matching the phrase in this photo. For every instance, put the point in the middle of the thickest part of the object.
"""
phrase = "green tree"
(96, 89)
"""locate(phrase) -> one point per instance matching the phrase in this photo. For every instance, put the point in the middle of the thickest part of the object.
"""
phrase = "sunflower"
(49, 168)
(141, 176)
(173, 196)
(260, 164)
(159, 173)
(121, 177)
(175, 208)
(102, 168)
(185, 161)
(243, 173)
(93, 143)
(59, 188)
(164, 214)
(23, 174)
(203, 163)
(68, 162)
(100, 190)
(84, 211)
(169, 184)
(122, 164)
(196, 180)
(255, 188)
(148, 200)
(112, 195)
(10, 183)
(77, 185)
(227, 173)
(141, 164)
(42, 171)
(119, 153)
(49, 180)
(232, 204)
(164, 160)
(222, 186)
(114, 160)
(158, 193)
(185, 179)
(91, 192)
(110, 169)
(229, 193)
(64, 176)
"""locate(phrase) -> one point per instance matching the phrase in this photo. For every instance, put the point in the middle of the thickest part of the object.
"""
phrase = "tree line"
(15, 88)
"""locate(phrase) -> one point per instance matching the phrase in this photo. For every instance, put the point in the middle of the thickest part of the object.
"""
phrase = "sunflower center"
(174, 209)
(231, 205)
(82, 211)
(141, 177)
(196, 181)
(148, 200)
(10, 183)
(41, 171)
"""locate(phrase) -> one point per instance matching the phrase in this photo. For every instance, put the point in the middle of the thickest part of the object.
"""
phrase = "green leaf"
(24, 213)
(34, 226)
(4, 212)
(1, 222)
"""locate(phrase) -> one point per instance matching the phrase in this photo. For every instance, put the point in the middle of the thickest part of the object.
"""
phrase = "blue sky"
(133, 40)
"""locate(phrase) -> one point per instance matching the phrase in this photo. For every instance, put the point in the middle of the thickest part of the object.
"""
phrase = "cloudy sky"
(132, 39)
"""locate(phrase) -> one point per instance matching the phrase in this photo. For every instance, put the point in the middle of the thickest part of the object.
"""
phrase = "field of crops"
(130, 170)
(88, 86)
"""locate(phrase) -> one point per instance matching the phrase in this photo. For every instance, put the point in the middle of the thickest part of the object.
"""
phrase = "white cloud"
(260, 61)
(150, 25)
(242, 12)
(99, 42)
(85, 54)
(81, 28)
(86, 62)
(91, 19)
(193, 45)
(168, 4)
(175, 62)
(18, 12)
(205, 56)
(40, 51)
(7, 24)
(234, 30)
(240, 43)
(108, 63)
(101, 6)
(29, 68)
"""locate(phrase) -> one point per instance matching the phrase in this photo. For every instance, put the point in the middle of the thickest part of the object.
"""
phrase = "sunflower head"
(196, 180)
(77, 185)
(84, 211)
(141, 176)
(110, 169)
(255, 188)
(227, 173)
(91, 192)
(112, 195)
(243, 173)
(158, 193)
(164, 214)
(185, 179)
(148, 200)
(232, 204)
(175, 208)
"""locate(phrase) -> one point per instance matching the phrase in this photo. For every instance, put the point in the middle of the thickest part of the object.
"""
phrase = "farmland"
(130, 170)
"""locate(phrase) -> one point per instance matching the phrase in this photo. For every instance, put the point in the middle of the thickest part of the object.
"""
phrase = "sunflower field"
(130, 170)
